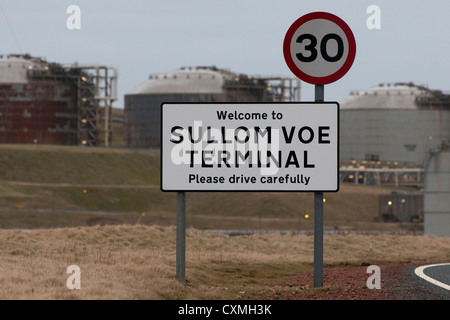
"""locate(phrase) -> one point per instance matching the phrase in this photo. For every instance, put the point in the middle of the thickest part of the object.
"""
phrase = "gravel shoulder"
(398, 282)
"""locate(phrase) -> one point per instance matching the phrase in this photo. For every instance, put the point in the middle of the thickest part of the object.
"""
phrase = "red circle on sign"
(348, 60)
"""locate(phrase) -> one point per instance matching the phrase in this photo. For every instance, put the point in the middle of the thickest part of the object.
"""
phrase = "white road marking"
(419, 272)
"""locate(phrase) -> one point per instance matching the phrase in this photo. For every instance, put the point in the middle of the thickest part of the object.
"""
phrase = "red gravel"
(350, 283)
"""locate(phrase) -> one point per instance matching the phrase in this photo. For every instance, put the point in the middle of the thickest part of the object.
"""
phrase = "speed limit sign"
(319, 48)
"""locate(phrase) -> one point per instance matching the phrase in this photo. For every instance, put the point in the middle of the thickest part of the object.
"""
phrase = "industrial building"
(398, 135)
(387, 133)
(400, 206)
(437, 192)
(195, 84)
(48, 103)
(397, 122)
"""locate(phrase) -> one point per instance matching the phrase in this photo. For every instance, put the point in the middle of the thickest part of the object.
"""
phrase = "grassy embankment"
(49, 186)
(41, 187)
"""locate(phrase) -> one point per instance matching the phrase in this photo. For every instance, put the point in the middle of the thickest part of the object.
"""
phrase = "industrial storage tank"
(393, 123)
(37, 102)
(195, 84)
(48, 103)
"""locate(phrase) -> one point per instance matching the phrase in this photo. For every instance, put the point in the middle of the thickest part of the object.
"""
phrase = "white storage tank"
(398, 122)
(195, 84)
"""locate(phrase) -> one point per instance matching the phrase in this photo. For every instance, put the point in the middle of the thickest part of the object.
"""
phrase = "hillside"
(54, 186)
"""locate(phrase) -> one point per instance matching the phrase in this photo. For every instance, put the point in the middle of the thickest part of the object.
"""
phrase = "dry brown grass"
(135, 261)
(138, 262)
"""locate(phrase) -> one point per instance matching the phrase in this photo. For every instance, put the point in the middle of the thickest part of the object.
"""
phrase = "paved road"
(434, 279)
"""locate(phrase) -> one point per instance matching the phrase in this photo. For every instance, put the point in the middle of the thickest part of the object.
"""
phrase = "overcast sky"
(142, 37)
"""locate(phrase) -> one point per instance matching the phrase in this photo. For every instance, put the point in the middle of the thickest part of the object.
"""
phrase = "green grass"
(75, 165)
(123, 184)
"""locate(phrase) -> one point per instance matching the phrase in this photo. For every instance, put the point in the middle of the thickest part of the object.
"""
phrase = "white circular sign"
(319, 48)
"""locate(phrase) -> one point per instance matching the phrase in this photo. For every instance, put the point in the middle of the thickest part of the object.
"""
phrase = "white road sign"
(250, 147)
(319, 48)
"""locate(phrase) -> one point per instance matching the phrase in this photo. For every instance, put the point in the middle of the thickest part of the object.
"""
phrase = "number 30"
(311, 47)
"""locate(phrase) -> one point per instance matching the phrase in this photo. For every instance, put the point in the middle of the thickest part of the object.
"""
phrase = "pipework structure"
(96, 94)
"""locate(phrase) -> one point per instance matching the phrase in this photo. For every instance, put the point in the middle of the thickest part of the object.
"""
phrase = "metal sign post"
(318, 239)
(319, 48)
(217, 146)
(181, 237)
(318, 217)
(247, 147)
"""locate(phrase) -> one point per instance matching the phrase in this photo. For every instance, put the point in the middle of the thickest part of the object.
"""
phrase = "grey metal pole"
(318, 217)
(319, 92)
(181, 237)
(318, 239)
